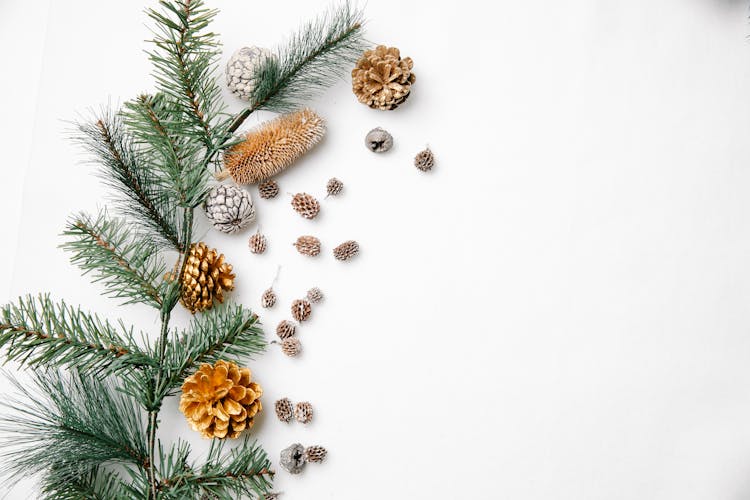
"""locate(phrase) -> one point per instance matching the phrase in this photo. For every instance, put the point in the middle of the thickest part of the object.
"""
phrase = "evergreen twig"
(128, 266)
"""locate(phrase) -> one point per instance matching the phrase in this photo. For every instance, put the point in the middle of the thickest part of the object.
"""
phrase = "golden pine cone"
(315, 453)
(286, 329)
(346, 250)
(268, 299)
(220, 400)
(205, 278)
(306, 205)
(303, 412)
(268, 189)
(291, 346)
(284, 410)
(272, 147)
(308, 245)
(301, 310)
(381, 79)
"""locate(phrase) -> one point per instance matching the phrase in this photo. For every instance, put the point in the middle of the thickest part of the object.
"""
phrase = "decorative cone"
(381, 79)
(308, 245)
(306, 205)
(205, 278)
(346, 250)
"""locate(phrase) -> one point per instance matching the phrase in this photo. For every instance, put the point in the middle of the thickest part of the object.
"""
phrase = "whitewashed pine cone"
(241, 68)
(229, 208)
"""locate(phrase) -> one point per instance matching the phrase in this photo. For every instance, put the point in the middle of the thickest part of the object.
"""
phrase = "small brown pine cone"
(306, 205)
(346, 250)
(424, 160)
(303, 412)
(268, 189)
(257, 243)
(268, 299)
(291, 347)
(301, 310)
(315, 453)
(308, 245)
(284, 410)
(286, 329)
(334, 186)
(205, 278)
(315, 295)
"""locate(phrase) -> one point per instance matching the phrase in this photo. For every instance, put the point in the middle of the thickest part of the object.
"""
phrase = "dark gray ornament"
(293, 458)
(378, 140)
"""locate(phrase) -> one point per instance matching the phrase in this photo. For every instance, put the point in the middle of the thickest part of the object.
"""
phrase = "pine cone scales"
(346, 250)
(272, 147)
(308, 245)
(381, 79)
(220, 400)
(205, 278)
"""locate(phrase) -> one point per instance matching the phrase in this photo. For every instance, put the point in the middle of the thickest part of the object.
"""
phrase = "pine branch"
(169, 147)
(127, 265)
(94, 484)
(242, 471)
(142, 195)
(38, 332)
(310, 61)
(185, 61)
(68, 425)
(228, 332)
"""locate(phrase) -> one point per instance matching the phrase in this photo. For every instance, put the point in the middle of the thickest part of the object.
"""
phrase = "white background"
(560, 310)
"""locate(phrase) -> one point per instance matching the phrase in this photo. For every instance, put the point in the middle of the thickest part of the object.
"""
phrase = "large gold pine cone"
(381, 79)
(205, 278)
(220, 401)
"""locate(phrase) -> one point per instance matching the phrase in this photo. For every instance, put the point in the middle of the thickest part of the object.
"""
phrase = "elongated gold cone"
(272, 147)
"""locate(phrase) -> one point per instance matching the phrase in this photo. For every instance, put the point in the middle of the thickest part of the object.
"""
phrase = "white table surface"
(561, 310)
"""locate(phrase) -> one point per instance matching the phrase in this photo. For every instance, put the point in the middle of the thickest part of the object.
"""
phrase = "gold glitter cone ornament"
(220, 400)
(381, 79)
(272, 147)
(205, 278)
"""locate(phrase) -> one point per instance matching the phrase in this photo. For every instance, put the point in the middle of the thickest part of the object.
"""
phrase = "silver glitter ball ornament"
(378, 140)
(293, 458)
(229, 208)
(241, 69)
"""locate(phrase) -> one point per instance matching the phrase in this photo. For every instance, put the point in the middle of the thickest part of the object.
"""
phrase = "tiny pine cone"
(268, 299)
(283, 409)
(315, 295)
(306, 205)
(268, 189)
(315, 453)
(286, 329)
(257, 243)
(334, 186)
(303, 412)
(301, 310)
(424, 160)
(291, 347)
(346, 250)
(308, 245)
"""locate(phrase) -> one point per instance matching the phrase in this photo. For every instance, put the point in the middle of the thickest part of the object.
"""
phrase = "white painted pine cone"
(241, 68)
(229, 208)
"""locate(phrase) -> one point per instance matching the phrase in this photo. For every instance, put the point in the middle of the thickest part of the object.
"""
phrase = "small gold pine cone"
(303, 412)
(205, 278)
(258, 243)
(424, 160)
(346, 250)
(315, 453)
(315, 295)
(306, 205)
(268, 299)
(220, 400)
(381, 79)
(268, 189)
(301, 310)
(284, 410)
(308, 245)
(291, 346)
(286, 329)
